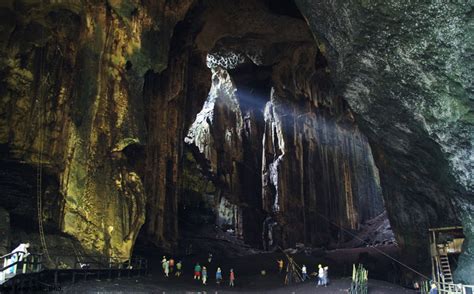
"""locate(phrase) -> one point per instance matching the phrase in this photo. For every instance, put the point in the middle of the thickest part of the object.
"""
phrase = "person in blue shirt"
(204, 275)
(434, 289)
(218, 276)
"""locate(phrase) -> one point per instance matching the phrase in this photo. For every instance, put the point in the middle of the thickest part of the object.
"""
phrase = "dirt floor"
(248, 274)
(187, 285)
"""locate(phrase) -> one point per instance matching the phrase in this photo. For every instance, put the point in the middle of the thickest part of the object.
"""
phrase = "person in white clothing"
(167, 268)
(21, 252)
(163, 263)
(320, 275)
(304, 273)
(325, 276)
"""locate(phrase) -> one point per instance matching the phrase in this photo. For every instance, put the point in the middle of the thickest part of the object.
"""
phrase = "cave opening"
(272, 156)
(243, 182)
(224, 153)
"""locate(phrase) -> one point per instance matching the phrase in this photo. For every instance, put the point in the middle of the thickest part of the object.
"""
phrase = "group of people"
(168, 266)
(200, 272)
(322, 274)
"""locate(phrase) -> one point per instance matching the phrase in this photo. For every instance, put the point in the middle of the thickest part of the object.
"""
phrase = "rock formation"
(404, 68)
(72, 101)
(295, 124)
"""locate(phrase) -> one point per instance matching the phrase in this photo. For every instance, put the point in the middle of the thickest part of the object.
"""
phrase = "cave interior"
(232, 127)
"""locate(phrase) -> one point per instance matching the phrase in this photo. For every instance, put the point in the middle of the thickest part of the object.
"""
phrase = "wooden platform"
(29, 274)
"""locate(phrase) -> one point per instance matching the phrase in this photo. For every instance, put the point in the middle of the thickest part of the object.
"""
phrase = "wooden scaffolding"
(444, 243)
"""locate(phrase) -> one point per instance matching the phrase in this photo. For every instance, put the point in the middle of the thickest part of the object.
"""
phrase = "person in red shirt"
(231, 278)
(171, 264)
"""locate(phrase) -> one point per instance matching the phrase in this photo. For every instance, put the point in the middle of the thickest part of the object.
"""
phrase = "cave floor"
(153, 284)
(248, 278)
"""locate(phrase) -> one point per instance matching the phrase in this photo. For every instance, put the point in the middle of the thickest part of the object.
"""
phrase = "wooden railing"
(89, 265)
(99, 262)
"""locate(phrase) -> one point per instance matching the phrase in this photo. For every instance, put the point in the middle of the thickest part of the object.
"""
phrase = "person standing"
(21, 252)
(434, 289)
(209, 257)
(320, 275)
(171, 262)
(178, 269)
(218, 276)
(231, 278)
(304, 272)
(280, 265)
(167, 268)
(204, 275)
(163, 263)
(325, 276)
(197, 271)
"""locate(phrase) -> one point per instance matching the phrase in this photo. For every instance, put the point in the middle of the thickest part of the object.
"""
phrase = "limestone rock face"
(315, 159)
(466, 261)
(173, 105)
(280, 144)
(405, 70)
(217, 130)
(217, 133)
(72, 77)
(101, 96)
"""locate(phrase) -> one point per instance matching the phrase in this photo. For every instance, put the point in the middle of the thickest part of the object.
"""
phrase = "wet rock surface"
(404, 69)
(72, 80)
(310, 119)
(275, 138)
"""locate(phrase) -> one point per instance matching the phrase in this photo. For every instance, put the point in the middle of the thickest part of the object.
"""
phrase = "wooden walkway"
(28, 274)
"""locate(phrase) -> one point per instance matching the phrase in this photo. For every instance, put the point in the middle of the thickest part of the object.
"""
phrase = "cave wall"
(72, 77)
(174, 97)
(405, 70)
(116, 86)
(218, 133)
(315, 166)
(113, 119)
(315, 160)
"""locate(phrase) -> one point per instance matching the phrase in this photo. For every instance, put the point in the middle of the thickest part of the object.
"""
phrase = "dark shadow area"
(284, 7)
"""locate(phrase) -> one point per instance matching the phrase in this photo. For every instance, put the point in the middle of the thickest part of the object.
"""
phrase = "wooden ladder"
(445, 269)
(447, 275)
